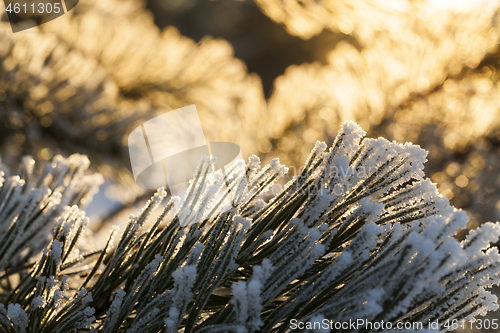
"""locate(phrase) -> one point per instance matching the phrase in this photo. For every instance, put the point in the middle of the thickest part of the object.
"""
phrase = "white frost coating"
(373, 208)
(87, 299)
(253, 160)
(88, 318)
(247, 299)
(18, 317)
(382, 246)
(114, 309)
(366, 240)
(416, 223)
(143, 321)
(239, 164)
(176, 200)
(481, 238)
(277, 167)
(171, 320)
(51, 282)
(350, 133)
(4, 320)
(489, 302)
(319, 208)
(244, 221)
(374, 299)
(38, 302)
(339, 167)
(275, 163)
(240, 301)
(56, 252)
(353, 131)
(58, 298)
(320, 146)
(159, 195)
(184, 278)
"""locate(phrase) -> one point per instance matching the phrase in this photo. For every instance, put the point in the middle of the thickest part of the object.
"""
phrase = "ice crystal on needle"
(360, 233)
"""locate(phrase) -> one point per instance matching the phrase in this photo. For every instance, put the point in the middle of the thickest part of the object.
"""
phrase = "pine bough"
(360, 233)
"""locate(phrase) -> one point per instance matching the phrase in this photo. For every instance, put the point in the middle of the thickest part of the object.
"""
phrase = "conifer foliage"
(360, 233)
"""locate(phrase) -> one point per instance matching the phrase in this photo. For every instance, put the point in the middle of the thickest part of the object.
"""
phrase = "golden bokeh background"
(273, 76)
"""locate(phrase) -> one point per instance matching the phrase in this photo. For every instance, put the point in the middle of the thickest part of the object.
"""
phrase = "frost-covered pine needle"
(360, 233)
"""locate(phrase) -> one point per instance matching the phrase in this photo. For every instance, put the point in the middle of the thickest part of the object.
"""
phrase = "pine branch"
(359, 234)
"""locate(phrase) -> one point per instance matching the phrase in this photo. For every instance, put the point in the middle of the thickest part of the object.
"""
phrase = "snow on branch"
(360, 233)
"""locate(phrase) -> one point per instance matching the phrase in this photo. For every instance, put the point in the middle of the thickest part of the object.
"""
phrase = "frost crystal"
(18, 317)
(360, 233)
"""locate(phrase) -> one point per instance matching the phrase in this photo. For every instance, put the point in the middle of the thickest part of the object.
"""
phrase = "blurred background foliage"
(273, 76)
